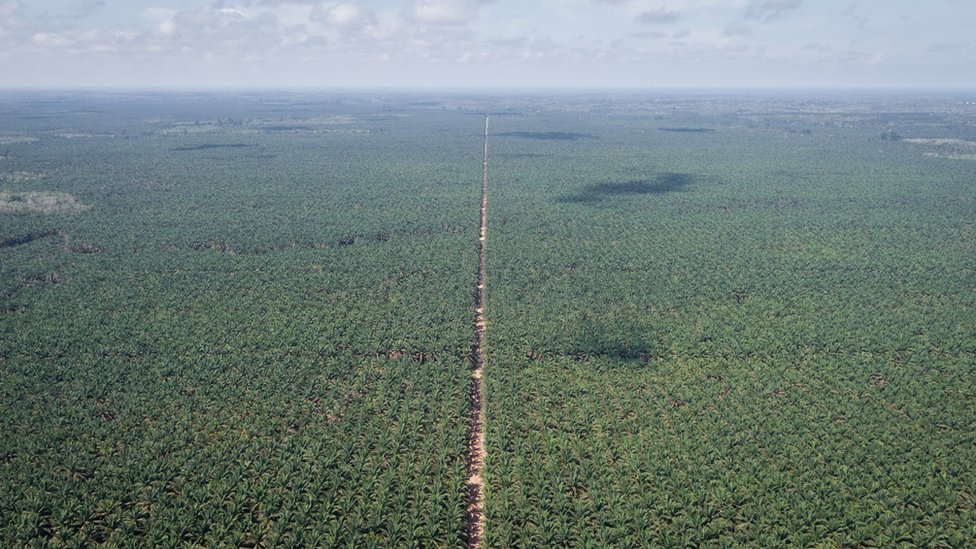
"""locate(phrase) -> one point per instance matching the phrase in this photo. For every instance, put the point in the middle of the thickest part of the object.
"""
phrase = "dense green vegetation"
(763, 334)
(246, 319)
(262, 345)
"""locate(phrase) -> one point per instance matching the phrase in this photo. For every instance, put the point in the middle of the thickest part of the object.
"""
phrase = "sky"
(488, 43)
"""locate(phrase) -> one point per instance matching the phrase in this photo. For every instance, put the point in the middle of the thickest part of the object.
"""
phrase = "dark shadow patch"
(597, 339)
(216, 245)
(209, 146)
(549, 136)
(41, 277)
(86, 249)
(18, 240)
(665, 183)
(688, 130)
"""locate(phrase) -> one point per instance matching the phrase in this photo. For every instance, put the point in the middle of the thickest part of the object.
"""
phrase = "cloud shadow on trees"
(626, 341)
(662, 184)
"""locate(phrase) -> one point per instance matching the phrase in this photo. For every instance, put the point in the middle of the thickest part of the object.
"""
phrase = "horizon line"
(473, 88)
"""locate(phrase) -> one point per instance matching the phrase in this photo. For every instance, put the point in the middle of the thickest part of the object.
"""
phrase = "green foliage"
(779, 351)
(237, 346)
(711, 321)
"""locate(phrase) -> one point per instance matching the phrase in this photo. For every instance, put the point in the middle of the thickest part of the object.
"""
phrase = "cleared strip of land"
(476, 440)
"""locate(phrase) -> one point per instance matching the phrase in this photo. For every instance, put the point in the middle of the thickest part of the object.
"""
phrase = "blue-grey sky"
(488, 43)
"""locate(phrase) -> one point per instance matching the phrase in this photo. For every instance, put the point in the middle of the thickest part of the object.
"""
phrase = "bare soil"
(476, 436)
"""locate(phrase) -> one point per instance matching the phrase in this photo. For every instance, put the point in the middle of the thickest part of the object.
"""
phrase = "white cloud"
(50, 40)
(167, 27)
(460, 41)
(342, 14)
(442, 12)
(162, 20)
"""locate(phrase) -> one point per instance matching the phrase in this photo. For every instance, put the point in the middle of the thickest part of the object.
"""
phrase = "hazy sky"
(497, 43)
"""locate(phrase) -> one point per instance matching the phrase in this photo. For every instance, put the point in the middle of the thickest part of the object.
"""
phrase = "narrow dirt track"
(476, 436)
